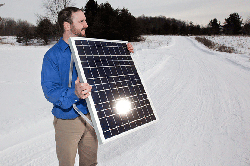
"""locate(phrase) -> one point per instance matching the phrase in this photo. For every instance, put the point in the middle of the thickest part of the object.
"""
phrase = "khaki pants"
(71, 135)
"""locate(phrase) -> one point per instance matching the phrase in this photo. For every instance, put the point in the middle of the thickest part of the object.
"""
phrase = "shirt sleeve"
(53, 88)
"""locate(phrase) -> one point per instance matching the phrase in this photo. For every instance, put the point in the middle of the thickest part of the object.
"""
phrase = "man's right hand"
(82, 90)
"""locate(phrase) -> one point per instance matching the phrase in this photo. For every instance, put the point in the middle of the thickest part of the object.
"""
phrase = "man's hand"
(82, 90)
(130, 47)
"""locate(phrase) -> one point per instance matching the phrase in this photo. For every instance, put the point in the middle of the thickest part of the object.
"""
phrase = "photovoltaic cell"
(118, 102)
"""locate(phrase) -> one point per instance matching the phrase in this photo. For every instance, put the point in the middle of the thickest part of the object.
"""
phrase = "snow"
(201, 97)
(8, 40)
(240, 43)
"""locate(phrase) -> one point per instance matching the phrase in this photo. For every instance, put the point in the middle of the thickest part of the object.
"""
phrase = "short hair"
(65, 15)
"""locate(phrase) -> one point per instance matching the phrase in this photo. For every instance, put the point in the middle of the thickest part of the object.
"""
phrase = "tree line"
(116, 24)
(169, 26)
(26, 32)
(108, 23)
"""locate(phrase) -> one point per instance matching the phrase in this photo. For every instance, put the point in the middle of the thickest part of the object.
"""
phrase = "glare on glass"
(123, 106)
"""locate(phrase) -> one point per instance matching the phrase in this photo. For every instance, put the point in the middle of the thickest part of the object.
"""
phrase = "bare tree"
(53, 7)
(0, 6)
(7, 27)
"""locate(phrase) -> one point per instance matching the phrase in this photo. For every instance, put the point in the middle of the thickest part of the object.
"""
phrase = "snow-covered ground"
(241, 44)
(201, 97)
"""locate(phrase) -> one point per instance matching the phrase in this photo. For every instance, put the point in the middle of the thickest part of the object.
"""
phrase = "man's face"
(79, 24)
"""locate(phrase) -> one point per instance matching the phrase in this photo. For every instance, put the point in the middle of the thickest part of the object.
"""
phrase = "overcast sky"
(198, 11)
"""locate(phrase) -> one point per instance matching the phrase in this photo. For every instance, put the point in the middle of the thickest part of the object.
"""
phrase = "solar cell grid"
(108, 67)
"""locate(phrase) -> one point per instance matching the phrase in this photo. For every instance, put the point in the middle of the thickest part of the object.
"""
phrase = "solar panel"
(118, 103)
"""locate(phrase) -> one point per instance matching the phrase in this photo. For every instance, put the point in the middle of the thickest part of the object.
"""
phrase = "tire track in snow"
(155, 70)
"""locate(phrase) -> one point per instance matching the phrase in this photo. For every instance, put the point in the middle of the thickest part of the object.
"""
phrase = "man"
(72, 133)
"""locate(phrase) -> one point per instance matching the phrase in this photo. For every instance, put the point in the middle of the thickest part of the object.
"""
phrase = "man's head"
(72, 21)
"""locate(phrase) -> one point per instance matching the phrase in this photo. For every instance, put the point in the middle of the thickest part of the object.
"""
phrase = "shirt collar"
(62, 44)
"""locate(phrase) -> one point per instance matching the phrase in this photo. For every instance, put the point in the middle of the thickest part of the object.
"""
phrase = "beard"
(78, 32)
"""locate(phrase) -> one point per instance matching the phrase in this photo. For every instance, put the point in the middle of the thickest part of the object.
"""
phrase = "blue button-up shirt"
(55, 79)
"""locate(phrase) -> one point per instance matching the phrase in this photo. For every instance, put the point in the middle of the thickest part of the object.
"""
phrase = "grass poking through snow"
(215, 46)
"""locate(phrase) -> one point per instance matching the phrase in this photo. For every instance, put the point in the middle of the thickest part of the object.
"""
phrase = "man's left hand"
(130, 47)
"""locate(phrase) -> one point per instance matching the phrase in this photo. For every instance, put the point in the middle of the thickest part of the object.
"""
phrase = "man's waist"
(68, 114)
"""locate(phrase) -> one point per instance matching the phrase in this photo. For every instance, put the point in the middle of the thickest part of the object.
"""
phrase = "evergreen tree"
(107, 23)
(233, 24)
(128, 28)
(91, 10)
(214, 26)
(25, 32)
(107, 17)
(175, 27)
(45, 30)
(184, 29)
(144, 24)
(167, 27)
(246, 27)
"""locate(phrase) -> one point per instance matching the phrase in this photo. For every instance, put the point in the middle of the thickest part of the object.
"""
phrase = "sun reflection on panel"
(123, 106)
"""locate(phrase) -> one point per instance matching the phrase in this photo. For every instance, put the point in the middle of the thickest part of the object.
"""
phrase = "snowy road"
(201, 98)
(203, 103)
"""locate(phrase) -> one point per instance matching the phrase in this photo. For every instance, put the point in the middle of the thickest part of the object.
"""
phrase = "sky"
(198, 11)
